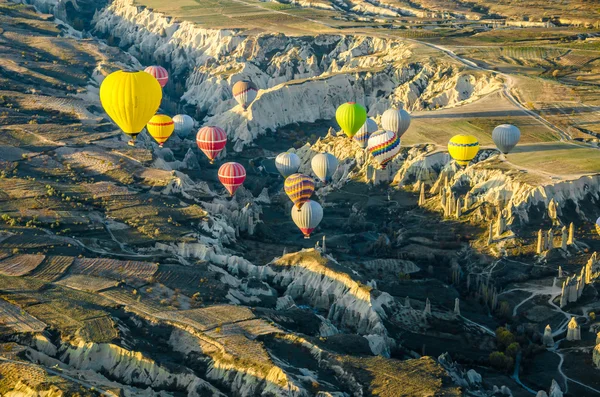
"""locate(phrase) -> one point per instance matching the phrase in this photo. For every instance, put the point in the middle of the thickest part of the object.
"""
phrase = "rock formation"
(573, 331)
(540, 242)
(573, 286)
(564, 238)
(500, 224)
(457, 306)
(427, 310)
(422, 195)
(555, 390)
(571, 239)
(547, 339)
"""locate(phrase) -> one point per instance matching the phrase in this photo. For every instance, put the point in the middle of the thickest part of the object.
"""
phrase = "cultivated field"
(19, 265)
(17, 320)
(133, 272)
(53, 267)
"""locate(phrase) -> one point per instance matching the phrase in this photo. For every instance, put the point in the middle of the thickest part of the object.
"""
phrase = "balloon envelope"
(308, 218)
(244, 92)
(463, 148)
(598, 225)
(324, 166)
(160, 127)
(384, 146)
(211, 140)
(159, 74)
(362, 136)
(395, 120)
(299, 188)
(130, 99)
(506, 137)
(287, 163)
(183, 125)
(350, 116)
(232, 176)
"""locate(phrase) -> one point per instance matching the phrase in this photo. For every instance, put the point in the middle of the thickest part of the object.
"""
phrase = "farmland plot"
(207, 318)
(99, 330)
(19, 265)
(17, 188)
(250, 329)
(133, 300)
(25, 242)
(86, 283)
(53, 267)
(133, 272)
(16, 319)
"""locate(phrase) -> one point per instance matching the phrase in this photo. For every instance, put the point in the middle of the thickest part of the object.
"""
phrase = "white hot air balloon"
(287, 163)
(362, 136)
(395, 120)
(183, 125)
(308, 218)
(324, 166)
(506, 137)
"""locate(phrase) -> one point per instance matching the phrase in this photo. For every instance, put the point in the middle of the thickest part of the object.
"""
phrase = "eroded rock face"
(302, 79)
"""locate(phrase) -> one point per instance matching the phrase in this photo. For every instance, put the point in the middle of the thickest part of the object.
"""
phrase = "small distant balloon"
(384, 146)
(350, 116)
(299, 188)
(287, 163)
(324, 166)
(463, 148)
(395, 120)
(308, 218)
(183, 125)
(211, 140)
(130, 99)
(362, 136)
(160, 127)
(244, 92)
(598, 226)
(506, 137)
(232, 176)
(159, 74)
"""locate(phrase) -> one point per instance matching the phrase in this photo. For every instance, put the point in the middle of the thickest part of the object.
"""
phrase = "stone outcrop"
(573, 330)
(572, 288)
(547, 339)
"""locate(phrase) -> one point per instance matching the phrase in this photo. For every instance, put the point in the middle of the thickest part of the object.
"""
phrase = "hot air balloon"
(211, 140)
(130, 99)
(244, 92)
(160, 127)
(232, 175)
(506, 137)
(598, 225)
(299, 188)
(351, 116)
(324, 166)
(183, 125)
(308, 218)
(395, 120)
(463, 148)
(287, 163)
(159, 74)
(384, 146)
(362, 136)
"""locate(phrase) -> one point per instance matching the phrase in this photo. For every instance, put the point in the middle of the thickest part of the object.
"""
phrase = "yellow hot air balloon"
(160, 127)
(463, 148)
(130, 99)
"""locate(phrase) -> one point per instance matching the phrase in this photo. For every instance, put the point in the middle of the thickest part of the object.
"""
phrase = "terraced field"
(19, 265)
(133, 272)
(17, 320)
(53, 267)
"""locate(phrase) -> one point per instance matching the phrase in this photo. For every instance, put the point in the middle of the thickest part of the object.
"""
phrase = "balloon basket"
(131, 143)
(306, 237)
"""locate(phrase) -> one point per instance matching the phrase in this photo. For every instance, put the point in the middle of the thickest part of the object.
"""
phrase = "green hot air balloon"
(351, 116)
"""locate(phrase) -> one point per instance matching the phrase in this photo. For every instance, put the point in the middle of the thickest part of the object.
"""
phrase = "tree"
(555, 73)
(504, 337)
(501, 362)
(513, 349)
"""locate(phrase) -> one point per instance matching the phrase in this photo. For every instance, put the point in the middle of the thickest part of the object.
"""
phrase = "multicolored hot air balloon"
(324, 166)
(362, 136)
(299, 188)
(244, 92)
(351, 116)
(395, 120)
(598, 226)
(287, 163)
(384, 146)
(308, 218)
(130, 99)
(211, 140)
(160, 127)
(463, 148)
(506, 137)
(183, 125)
(232, 176)
(159, 74)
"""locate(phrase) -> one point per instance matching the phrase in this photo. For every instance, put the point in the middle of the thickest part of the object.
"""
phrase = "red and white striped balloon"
(211, 140)
(232, 176)
(159, 74)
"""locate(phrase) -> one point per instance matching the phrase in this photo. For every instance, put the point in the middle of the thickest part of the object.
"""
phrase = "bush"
(504, 338)
(513, 349)
(501, 362)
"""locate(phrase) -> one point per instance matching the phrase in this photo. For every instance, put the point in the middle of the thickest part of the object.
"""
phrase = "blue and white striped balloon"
(506, 137)
(362, 136)
(183, 125)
